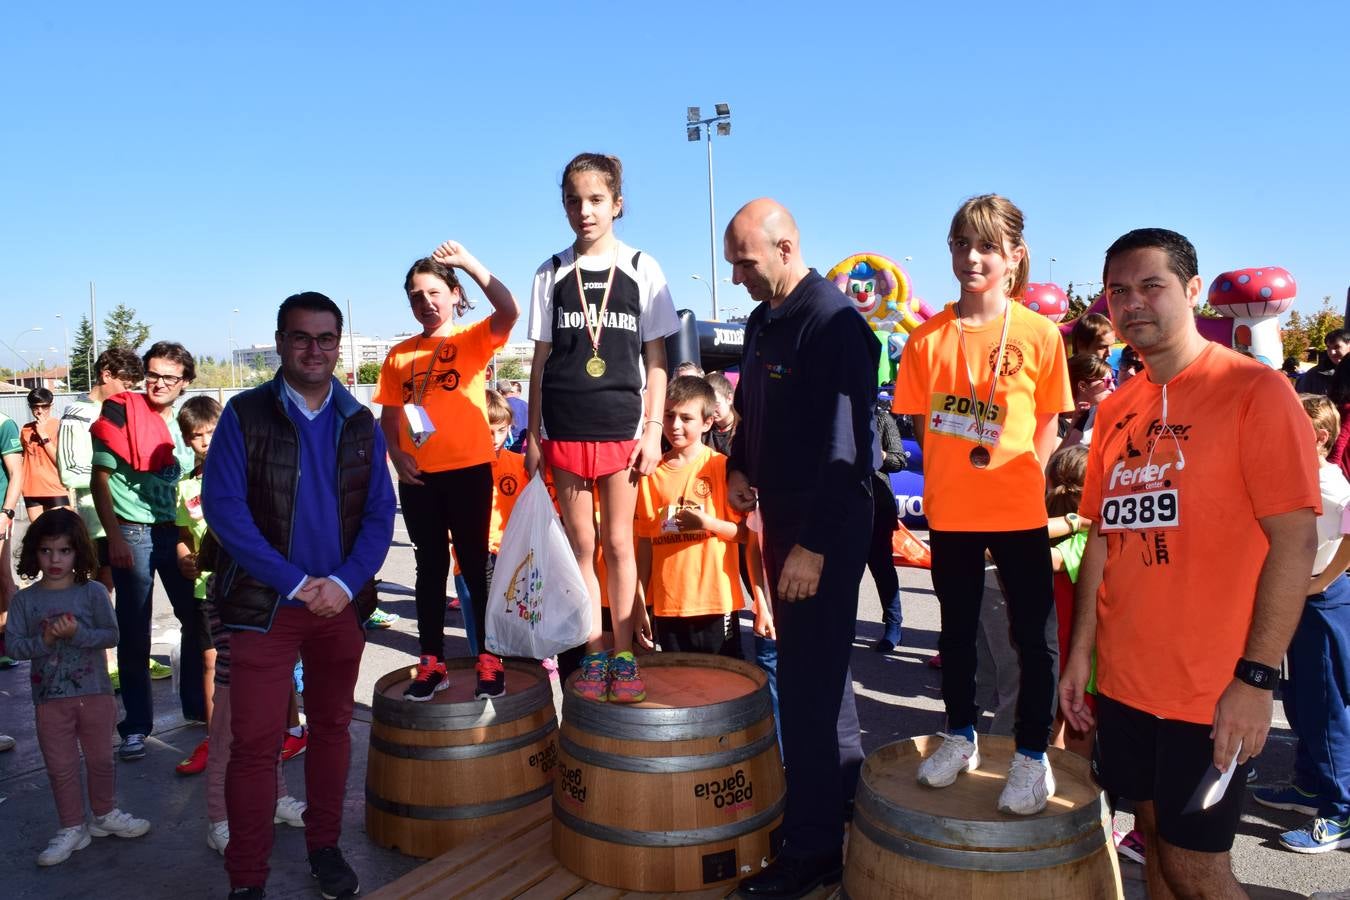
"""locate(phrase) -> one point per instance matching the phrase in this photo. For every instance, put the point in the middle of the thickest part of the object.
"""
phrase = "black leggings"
(455, 502)
(1023, 560)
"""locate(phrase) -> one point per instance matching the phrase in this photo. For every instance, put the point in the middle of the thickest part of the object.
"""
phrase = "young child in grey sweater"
(63, 623)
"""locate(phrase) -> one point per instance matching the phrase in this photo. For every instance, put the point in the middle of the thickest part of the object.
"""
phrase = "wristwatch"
(1075, 521)
(8, 512)
(1257, 675)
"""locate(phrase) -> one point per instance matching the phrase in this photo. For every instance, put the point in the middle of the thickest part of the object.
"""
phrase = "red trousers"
(260, 689)
(64, 726)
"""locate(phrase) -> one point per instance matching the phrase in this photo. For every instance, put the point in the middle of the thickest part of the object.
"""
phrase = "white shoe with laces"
(217, 836)
(63, 843)
(118, 824)
(1030, 785)
(290, 811)
(956, 755)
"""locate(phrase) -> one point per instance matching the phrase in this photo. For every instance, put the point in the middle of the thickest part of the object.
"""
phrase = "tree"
(510, 369)
(81, 356)
(124, 329)
(1302, 334)
(368, 373)
(1078, 304)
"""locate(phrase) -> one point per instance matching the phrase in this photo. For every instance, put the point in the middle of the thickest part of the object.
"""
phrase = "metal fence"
(16, 405)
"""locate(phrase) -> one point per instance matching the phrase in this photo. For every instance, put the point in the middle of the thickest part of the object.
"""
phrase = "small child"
(723, 427)
(1068, 531)
(63, 623)
(687, 532)
(197, 421)
(508, 479)
(1316, 698)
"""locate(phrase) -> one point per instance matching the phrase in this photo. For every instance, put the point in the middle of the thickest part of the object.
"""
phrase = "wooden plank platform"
(516, 860)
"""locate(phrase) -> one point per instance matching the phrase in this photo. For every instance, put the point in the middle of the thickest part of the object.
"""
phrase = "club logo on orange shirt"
(447, 353)
(703, 487)
(1013, 359)
(508, 485)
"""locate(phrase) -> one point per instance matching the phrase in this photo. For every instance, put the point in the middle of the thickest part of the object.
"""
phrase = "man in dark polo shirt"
(804, 454)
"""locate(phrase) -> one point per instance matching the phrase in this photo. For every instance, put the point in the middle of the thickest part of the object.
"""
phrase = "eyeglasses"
(302, 341)
(166, 380)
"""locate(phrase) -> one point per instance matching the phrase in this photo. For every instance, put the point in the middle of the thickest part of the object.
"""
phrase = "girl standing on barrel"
(985, 381)
(600, 312)
(434, 416)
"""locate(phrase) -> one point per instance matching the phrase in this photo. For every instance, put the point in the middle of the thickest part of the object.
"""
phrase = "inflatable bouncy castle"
(880, 291)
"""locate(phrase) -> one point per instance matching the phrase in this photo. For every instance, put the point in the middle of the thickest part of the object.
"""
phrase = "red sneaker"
(293, 745)
(195, 763)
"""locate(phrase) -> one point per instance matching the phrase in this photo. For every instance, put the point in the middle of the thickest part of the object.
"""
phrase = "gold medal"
(595, 367)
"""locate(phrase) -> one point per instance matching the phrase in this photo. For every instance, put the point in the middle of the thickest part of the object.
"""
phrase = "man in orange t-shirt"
(1202, 484)
(432, 390)
(687, 533)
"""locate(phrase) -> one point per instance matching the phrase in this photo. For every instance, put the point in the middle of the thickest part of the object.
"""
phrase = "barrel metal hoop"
(675, 724)
(692, 837)
(979, 860)
(667, 764)
(461, 716)
(1010, 834)
(464, 751)
(448, 813)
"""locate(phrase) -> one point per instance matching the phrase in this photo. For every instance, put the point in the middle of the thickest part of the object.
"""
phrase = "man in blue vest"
(297, 493)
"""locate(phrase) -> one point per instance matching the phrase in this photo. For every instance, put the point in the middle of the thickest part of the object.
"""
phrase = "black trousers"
(880, 559)
(822, 749)
(455, 502)
(1023, 560)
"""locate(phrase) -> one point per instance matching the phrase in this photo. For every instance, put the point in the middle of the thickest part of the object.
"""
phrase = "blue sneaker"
(1319, 836)
(380, 619)
(1290, 797)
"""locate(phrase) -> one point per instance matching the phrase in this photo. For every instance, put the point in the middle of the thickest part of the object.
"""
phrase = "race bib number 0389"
(1138, 512)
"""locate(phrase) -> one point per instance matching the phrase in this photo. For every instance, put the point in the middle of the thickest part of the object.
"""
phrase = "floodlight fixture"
(695, 114)
(723, 109)
(723, 129)
(694, 133)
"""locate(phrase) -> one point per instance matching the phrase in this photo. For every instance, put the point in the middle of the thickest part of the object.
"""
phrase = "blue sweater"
(316, 543)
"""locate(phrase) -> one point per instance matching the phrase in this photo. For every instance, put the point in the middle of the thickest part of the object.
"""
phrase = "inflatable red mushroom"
(1047, 299)
(1254, 299)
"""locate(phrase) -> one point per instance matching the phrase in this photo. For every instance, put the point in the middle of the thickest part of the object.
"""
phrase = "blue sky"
(194, 159)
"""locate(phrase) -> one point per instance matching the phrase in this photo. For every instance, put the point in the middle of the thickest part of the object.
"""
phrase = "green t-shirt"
(147, 498)
(190, 517)
(9, 445)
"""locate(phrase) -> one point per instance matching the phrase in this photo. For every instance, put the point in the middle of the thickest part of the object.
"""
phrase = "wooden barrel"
(677, 793)
(912, 841)
(442, 771)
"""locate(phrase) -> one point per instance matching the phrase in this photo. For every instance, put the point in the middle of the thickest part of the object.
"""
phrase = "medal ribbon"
(998, 366)
(604, 301)
(431, 364)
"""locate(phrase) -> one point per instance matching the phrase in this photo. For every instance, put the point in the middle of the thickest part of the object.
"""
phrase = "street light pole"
(65, 330)
(1052, 269)
(11, 349)
(233, 312)
(695, 124)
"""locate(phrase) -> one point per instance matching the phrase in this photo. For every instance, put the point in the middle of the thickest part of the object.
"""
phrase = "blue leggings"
(1317, 699)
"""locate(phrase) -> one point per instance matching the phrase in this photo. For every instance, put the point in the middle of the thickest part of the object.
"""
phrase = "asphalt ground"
(898, 696)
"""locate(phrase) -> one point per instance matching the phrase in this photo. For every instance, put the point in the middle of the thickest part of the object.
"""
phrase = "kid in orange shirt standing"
(687, 533)
(508, 478)
(985, 381)
(432, 391)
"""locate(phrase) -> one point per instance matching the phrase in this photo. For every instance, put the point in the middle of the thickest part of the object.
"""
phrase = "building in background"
(52, 379)
(368, 350)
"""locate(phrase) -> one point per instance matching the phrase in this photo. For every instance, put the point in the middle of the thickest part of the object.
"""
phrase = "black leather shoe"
(789, 877)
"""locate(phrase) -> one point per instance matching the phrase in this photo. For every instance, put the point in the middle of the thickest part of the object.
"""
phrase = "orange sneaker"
(593, 679)
(195, 763)
(625, 683)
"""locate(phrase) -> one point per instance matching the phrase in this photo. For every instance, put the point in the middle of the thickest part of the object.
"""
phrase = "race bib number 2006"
(1143, 511)
(959, 417)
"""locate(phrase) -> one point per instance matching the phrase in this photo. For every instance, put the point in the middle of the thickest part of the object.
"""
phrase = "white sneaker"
(65, 842)
(6, 743)
(1030, 785)
(956, 755)
(118, 823)
(218, 835)
(291, 811)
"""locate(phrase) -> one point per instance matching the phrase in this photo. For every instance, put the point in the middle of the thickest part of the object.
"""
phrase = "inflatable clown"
(880, 291)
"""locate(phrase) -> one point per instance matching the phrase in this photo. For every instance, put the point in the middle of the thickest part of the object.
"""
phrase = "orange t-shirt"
(448, 378)
(508, 479)
(932, 383)
(40, 475)
(1179, 507)
(694, 573)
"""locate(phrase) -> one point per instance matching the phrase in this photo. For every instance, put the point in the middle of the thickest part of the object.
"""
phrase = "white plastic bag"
(538, 605)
